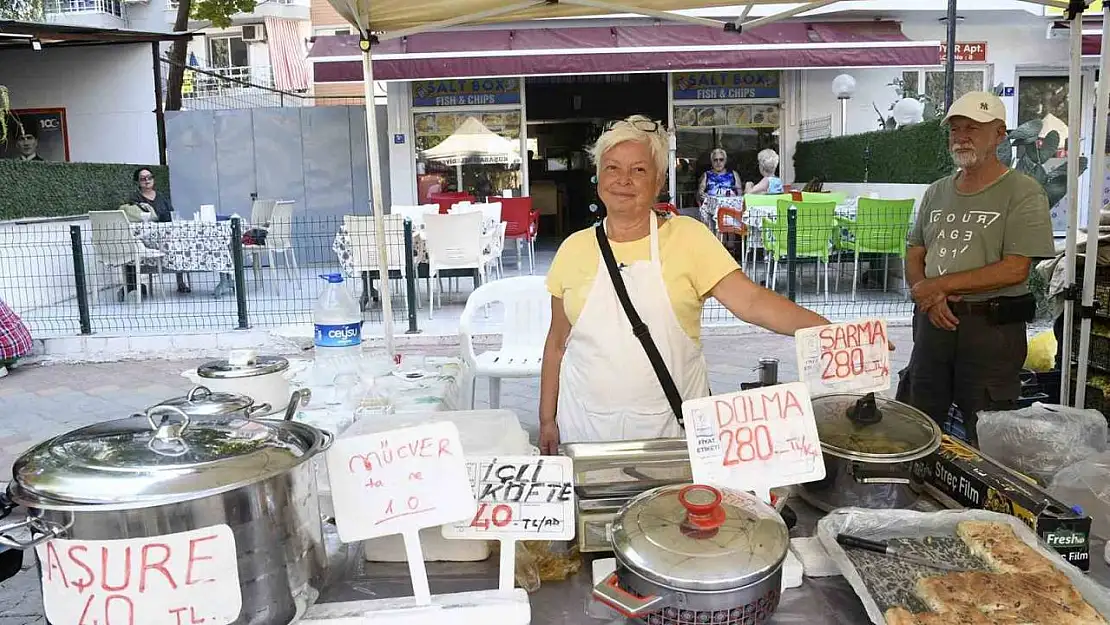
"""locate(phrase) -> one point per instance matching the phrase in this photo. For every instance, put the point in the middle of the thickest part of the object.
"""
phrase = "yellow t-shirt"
(694, 261)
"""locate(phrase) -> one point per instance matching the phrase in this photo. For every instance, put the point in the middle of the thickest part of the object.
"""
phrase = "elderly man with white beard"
(976, 236)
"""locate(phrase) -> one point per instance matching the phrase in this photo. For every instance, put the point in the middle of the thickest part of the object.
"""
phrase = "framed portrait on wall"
(37, 135)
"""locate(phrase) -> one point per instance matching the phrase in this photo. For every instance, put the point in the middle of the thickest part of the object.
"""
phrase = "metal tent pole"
(950, 58)
(1075, 129)
(374, 165)
(1098, 164)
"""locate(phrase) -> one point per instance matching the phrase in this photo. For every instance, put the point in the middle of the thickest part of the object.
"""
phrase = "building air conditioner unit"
(254, 32)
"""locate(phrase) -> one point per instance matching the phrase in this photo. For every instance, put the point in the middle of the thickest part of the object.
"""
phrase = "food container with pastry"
(869, 444)
(958, 566)
(960, 476)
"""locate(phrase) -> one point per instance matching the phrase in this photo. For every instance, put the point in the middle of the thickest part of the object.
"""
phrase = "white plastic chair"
(415, 214)
(279, 238)
(116, 246)
(497, 248)
(454, 242)
(527, 318)
(364, 244)
(261, 211)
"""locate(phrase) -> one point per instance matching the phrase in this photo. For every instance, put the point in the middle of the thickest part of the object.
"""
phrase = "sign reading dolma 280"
(466, 92)
(725, 85)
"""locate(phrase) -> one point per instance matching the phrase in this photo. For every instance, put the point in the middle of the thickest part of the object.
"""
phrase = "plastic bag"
(1042, 352)
(1041, 439)
(540, 561)
(1087, 484)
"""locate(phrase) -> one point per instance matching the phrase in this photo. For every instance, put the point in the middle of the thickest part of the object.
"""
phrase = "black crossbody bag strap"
(639, 328)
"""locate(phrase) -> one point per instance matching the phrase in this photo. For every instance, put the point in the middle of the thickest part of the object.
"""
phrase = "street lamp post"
(844, 87)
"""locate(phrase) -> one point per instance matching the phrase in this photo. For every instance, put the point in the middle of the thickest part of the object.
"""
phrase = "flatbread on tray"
(1001, 549)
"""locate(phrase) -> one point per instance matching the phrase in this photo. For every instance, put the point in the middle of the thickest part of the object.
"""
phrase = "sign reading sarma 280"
(725, 85)
(466, 92)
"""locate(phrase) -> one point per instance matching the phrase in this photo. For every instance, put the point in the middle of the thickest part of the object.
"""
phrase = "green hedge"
(37, 189)
(915, 154)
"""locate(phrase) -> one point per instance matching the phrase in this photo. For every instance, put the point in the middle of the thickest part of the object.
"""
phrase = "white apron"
(607, 388)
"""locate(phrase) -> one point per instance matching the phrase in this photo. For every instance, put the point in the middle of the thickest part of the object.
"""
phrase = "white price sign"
(391, 482)
(175, 579)
(519, 497)
(754, 440)
(844, 357)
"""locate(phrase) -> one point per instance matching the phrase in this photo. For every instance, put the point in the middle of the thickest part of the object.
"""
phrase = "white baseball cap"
(978, 105)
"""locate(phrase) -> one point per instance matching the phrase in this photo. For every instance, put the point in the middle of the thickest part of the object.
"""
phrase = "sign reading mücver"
(186, 578)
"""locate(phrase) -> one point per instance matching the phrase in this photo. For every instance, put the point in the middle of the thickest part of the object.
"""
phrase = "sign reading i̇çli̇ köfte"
(755, 439)
(520, 498)
(177, 579)
(391, 482)
(844, 357)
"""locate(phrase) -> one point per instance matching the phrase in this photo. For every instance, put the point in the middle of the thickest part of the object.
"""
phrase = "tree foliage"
(21, 10)
(219, 12)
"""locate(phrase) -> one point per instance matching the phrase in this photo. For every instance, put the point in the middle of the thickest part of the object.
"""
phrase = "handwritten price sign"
(519, 497)
(756, 439)
(176, 579)
(844, 357)
(391, 482)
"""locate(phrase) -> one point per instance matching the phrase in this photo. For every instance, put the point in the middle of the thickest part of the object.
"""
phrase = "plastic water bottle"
(337, 323)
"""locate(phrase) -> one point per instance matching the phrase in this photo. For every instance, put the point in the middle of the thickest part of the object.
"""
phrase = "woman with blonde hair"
(770, 184)
(623, 349)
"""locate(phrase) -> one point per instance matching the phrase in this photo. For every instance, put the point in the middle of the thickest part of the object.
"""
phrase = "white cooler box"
(482, 433)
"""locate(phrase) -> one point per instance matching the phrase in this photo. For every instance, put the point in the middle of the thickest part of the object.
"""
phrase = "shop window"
(931, 85)
(1041, 96)
(742, 130)
(476, 152)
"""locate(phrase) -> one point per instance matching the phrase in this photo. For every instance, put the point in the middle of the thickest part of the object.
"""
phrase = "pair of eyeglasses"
(644, 125)
(718, 160)
(145, 178)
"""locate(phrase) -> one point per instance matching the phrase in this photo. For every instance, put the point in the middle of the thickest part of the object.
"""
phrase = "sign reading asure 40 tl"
(725, 85)
(466, 92)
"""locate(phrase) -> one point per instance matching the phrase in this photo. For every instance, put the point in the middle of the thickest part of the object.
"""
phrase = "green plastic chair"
(756, 199)
(880, 227)
(826, 196)
(815, 226)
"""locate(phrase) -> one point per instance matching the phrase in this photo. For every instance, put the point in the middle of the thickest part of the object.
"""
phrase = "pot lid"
(873, 428)
(162, 457)
(242, 368)
(202, 402)
(698, 538)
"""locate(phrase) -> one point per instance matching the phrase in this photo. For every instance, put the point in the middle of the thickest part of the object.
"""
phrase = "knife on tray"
(878, 546)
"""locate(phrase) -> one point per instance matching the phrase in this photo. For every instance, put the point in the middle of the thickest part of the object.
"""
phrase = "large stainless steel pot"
(163, 474)
(692, 554)
(869, 444)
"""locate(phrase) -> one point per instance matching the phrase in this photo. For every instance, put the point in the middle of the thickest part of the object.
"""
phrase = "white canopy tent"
(379, 20)
(473, 143)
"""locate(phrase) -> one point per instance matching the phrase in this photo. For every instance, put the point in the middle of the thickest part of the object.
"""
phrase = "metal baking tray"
(627, 468)
(883, 582)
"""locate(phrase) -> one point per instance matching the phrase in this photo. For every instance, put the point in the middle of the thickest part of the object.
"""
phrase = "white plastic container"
(482, 433)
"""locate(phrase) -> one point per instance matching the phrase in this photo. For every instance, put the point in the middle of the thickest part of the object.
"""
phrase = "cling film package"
(340, 335)
(960, 476)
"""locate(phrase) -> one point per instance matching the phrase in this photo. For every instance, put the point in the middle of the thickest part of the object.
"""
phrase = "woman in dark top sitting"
(148, 199)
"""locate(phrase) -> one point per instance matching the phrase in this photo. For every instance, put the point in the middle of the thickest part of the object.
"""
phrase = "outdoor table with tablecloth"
(189, 245)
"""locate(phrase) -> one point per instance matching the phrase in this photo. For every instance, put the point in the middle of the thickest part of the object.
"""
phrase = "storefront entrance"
(565, 114)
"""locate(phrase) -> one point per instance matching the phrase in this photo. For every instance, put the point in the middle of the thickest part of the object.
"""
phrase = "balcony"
(91, 13)
(231, 87)
(287, 9)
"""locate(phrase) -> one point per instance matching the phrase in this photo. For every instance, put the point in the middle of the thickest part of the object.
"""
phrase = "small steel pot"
(869, 444)
(146, 478)
(694, 554)
(202, 403)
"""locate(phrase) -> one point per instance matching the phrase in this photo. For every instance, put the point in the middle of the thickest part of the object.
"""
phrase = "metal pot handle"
(260, 408)
(198, 391)
(608, 592)
(167, 439)
(48, 530)
(896, 474)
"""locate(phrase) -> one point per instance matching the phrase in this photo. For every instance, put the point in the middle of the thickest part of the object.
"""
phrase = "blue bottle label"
(342, 335)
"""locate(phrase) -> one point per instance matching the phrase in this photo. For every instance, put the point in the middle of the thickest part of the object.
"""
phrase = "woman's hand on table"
(549, 438)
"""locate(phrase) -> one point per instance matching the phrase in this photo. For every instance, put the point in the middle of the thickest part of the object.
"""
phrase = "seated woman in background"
(770, 184)
(15, 338)
(146, 204)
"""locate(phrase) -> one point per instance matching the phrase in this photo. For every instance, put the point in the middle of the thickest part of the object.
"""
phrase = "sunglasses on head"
(640, 124)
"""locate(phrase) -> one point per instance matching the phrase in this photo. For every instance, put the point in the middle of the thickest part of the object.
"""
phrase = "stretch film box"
(960, 476)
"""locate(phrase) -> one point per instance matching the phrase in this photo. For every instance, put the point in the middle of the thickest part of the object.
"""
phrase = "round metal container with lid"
(161, 458)
(204, 403)
(265, 379)
(256, 366)
(696, 549)
(869, 443)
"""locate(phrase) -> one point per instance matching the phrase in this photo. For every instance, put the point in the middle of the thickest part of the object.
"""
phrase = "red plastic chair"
(731, 221)
(522, 224)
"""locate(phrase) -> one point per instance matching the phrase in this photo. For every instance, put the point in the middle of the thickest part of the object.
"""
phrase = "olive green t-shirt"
(961, 232)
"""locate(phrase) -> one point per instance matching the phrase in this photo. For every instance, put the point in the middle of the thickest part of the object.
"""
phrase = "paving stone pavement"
(41, 401)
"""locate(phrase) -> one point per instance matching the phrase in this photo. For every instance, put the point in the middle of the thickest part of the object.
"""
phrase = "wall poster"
(37, 135)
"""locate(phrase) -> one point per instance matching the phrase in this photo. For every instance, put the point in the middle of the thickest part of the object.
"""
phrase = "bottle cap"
(332, 278)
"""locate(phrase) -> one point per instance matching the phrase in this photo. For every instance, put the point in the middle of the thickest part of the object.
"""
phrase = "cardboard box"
(960, 476)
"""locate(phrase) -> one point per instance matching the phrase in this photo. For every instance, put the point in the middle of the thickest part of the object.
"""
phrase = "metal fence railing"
(79, 276)
(244, 87)
(844, 263)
